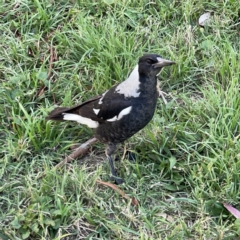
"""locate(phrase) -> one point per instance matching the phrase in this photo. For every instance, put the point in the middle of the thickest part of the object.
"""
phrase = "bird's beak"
(162, 63)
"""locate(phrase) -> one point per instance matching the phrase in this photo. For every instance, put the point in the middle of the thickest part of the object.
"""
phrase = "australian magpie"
(121, 111)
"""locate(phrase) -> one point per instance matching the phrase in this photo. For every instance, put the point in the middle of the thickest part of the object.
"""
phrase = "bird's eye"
(149, 61)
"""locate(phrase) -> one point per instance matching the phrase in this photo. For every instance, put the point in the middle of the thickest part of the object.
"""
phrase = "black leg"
(109, 151)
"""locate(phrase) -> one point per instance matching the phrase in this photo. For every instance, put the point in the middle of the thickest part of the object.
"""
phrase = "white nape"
(96, 111)
(101, 99)
(130, 87)
(83, 120)
(124, 112)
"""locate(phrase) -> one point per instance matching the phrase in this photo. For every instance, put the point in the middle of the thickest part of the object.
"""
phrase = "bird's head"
(152, 64)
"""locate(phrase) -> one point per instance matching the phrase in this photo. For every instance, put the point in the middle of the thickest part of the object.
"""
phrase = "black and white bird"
(123, 110)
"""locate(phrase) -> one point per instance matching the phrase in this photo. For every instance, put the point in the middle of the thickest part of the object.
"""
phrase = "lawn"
(60, 53)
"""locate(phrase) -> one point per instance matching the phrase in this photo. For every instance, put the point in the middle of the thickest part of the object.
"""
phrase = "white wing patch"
(112, 119)
(124, 112)
(130, 87)
(96, 111)
(100, 100)
(83, 120)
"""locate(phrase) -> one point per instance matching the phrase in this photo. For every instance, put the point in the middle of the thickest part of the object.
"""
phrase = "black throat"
(148, 85)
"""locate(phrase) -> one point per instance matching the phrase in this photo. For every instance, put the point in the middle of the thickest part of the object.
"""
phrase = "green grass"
(188, 157)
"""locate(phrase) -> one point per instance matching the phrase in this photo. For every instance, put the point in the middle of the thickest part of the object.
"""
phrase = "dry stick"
(134, 201)
(81, 150)
(51, 62)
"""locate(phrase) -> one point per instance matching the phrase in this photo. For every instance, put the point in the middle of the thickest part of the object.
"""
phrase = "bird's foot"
(117, 180)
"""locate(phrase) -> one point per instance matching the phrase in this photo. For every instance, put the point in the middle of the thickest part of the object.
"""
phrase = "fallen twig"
(52, 57)
(134, 201)
(81, 150)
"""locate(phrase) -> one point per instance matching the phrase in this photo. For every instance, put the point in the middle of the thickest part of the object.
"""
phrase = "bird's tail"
(57, 114)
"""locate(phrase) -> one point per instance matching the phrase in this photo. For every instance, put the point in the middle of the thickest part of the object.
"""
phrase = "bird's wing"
(110, 106)
(107, 107)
